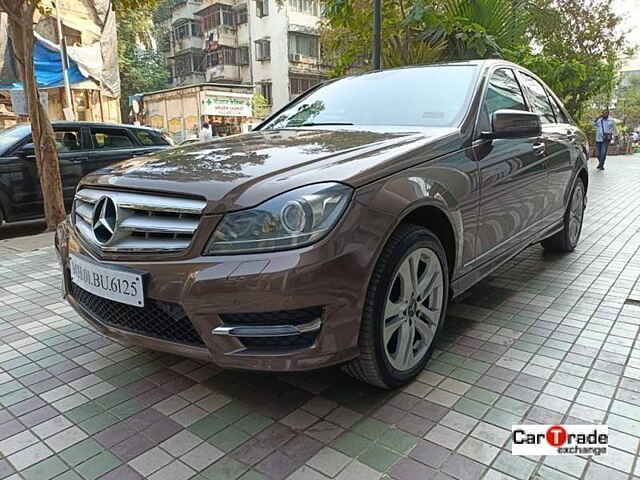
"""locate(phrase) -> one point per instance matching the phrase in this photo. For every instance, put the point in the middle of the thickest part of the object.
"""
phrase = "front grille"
(141, 222)
(281, 317)
(163, 320)
(303, 340)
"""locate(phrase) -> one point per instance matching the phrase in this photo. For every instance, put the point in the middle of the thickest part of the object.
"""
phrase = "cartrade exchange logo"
(559, 439)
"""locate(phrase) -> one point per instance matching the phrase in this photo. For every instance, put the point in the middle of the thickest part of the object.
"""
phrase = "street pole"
(377, 21)
(65, 60)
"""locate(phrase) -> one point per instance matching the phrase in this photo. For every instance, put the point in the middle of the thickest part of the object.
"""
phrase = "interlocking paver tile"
(329, 461)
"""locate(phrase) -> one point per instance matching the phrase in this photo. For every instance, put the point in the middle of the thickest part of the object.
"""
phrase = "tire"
(567, 239)
(390, 293)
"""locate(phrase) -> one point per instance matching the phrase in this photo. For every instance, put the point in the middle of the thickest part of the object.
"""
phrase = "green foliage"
(628, 103)
(142, 67)
(574, 45)
(260, 106)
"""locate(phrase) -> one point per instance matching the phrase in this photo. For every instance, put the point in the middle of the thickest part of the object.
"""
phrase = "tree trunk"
(41, 129)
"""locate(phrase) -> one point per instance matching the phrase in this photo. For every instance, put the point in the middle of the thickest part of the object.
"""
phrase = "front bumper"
(330, 278)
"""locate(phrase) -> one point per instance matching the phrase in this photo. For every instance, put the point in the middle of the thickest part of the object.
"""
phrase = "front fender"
(448, 184)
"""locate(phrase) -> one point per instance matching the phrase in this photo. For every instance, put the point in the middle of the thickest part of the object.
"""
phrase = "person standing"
(605, 130)
(205, 132)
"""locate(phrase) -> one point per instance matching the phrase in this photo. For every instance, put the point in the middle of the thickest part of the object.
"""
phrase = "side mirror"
(27, 150)
(514, 124)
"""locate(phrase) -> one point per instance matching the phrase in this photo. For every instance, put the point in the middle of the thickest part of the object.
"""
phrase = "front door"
(72, 154)
(513, 178)
(110, 145)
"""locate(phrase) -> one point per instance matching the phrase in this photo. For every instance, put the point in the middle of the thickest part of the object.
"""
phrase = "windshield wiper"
(319, 124)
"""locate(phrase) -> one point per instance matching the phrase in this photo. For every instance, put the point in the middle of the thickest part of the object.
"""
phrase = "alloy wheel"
(413, 309)
(576, 213)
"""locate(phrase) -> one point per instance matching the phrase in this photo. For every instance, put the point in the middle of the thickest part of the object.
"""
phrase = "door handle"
(539, 148)
(79, 159)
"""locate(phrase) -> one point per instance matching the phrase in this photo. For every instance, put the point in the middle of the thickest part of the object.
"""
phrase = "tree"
(421, 31)
(142, 67)
(627, 107)
(21, 22)
(259, 106)
(573, 45)
(578, 46)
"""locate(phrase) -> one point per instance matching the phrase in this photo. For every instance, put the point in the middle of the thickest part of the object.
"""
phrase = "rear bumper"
(212, 290)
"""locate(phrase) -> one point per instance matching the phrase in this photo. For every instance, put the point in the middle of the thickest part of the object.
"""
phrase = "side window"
(150, 139)
(110, 138)
(539, 100)
(503, 92)
(559, 111)
(68, 140)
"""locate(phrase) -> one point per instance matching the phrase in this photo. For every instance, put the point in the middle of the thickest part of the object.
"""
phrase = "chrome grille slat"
(145, 222)
(139, 201)
(142, 223)
(85, 210)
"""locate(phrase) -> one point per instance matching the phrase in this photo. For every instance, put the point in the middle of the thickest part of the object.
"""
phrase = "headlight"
(293, 219)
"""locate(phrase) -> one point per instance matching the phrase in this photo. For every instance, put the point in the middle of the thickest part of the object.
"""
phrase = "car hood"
(241, 171)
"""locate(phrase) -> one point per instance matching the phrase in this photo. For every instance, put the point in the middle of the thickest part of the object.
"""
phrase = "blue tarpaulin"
(48, 66)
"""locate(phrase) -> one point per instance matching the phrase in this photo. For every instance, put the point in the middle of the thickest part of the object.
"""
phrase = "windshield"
(11, 135)
(425, 96)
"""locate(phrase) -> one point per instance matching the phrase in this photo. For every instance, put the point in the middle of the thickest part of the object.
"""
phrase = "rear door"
(513, 179)
(557, 150)
(151, 140)
(73, 154)
(561, 167)
(110, 145)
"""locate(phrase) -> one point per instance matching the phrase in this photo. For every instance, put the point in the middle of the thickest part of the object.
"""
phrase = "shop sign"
(226, 104)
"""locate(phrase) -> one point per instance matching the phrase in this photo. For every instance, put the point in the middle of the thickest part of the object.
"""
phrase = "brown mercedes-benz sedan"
(338, 230)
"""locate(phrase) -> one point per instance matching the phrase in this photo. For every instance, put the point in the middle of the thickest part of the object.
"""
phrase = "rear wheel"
(567, 239)
(405, 309)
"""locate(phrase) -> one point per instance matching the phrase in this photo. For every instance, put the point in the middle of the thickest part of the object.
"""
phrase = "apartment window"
(303, 44)
(263, 49)
(187, 64)
(242, 15)
(226, 15)
(310, 7)
(264, 89)
(187, 29)
(220, 14)
(299, 84)
(243, 56)
(222, 56)
(262, 8)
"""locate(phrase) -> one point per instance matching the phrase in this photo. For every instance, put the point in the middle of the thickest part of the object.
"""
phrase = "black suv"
(83, 147)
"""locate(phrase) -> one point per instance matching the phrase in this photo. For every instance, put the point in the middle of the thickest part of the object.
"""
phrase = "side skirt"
(464, 283)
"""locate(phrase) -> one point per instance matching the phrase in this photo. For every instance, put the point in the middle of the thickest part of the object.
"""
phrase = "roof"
(244, 86)
(71, 123)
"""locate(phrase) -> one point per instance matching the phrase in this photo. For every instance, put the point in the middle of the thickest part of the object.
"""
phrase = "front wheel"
(405, 309)
(567, 239)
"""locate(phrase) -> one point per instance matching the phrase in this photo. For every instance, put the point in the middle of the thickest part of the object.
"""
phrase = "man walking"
(605, 129)
(205, 132)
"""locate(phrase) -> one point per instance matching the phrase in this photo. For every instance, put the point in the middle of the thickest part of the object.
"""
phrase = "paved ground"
(547, 339)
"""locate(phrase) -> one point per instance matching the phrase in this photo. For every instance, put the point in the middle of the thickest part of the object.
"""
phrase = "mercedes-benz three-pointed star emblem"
(105, 220)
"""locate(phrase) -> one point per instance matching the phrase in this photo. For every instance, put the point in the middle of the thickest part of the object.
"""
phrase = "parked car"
(189, 141)
(338, 230)
(82, 148)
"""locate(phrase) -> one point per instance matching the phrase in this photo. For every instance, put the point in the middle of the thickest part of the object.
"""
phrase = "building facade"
(271, 44)
(89, 30)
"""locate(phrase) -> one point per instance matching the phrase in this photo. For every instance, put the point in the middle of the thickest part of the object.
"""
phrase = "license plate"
(107, 282)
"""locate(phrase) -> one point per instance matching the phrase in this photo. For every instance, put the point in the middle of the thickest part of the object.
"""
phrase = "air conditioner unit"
(295, 57)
